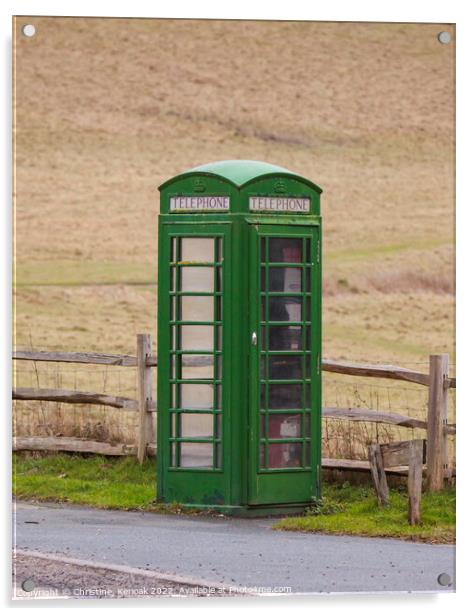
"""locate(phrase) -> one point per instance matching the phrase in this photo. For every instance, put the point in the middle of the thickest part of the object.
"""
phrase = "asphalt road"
(234, 552)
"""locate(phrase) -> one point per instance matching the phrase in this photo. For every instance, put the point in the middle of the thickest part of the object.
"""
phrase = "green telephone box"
(239, 339)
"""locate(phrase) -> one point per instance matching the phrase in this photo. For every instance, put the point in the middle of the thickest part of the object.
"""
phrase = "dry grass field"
(107, 109)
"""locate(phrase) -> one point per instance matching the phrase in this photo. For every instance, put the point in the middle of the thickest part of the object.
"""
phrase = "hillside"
(107, 109)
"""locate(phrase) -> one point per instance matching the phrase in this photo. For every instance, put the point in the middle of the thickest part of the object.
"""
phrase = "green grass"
(375, 251)
(77, 272)
(110, 483)
(350, 510)
(93, 480)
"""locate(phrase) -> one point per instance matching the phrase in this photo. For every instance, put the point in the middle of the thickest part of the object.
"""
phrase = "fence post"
(144, 389)
(437, 450)
(376, 465)
(414, 481)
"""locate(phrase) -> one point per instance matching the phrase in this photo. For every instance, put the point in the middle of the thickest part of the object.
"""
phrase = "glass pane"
(285, 367)
(287, 279)
(197, 279)
(263, 249)
(264, 337)
(173, 279)
(197, 367)
(284, 455)
(196, 308)
(196, 455)
(285, 308)
(285, 396)
(196, 396)
(285, 425)
(219, 249)
(219, 401)
(263, 396)
(172, 396)
(285, 250)
(308, 336)
(263, 426)
(198, 425)
(218, 460)
(263, 279)
(197, 249)
(308, 366)
(308, 309)
(307, 424)
(308, 399)
(173, 250)
(308, 280)
(199, 337)
(218, 338)
(172, 454)
(262, 456)
(283, 338)
(307, 251)
(263, 308)
(262, 363)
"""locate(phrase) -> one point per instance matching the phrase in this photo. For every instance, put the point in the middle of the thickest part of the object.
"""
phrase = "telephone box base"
(251, 511)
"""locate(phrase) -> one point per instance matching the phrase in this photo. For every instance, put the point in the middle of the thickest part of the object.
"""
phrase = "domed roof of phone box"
(241, 172)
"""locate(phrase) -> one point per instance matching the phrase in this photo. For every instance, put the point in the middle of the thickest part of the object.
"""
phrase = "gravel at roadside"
(36, 578)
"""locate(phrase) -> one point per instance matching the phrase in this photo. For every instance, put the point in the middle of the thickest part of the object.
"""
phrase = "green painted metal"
(239, 172)
(237, 401)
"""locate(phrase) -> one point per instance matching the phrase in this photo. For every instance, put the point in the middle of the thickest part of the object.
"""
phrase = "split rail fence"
(437, 381)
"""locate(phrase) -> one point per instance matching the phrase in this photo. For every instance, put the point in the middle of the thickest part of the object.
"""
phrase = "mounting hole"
(29, 30)
(444, 579)
(28, 585)
(444, 37)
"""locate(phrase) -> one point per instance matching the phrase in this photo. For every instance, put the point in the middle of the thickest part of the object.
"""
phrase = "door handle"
(254, 339)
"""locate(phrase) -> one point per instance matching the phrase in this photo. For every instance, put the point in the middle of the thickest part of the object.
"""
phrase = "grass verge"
(110, 483)
(353, 510)
(96, 481)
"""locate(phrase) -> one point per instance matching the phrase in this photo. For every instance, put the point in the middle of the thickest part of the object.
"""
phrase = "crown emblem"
(198, 185)
(280, 187)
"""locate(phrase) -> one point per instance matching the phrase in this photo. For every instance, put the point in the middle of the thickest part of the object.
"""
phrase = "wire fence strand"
(340, 438)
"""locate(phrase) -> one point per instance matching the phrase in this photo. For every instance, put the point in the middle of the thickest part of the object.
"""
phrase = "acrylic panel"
(106, 110)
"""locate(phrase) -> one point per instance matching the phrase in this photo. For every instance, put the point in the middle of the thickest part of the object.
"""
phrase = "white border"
(363, 10)
(342, 10)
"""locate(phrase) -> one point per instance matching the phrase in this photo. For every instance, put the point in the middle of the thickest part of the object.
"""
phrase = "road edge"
(152, 574)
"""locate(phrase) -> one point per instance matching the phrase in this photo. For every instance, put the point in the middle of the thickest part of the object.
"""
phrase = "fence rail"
(437, 381)
(72, 396)
(328, 365)
(87, 397)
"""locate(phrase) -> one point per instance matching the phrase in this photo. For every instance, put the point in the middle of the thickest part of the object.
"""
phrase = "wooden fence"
(437, 381)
